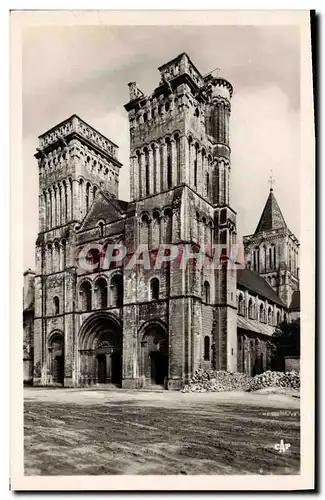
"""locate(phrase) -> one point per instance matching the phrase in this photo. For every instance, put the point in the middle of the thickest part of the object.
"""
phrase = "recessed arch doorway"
(154, 355)
(56, 357)
(100, 350)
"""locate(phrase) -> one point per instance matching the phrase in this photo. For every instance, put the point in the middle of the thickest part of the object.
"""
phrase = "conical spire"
(272, 217)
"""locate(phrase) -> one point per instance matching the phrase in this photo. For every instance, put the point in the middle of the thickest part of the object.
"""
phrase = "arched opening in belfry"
(154, 355)
(85, 292)
(178, 158)
(100, 350)
(56, 358)
(206, 296)
(117, 290)
(101, 293)
(147, 170)
(169, 164)
(154, 289)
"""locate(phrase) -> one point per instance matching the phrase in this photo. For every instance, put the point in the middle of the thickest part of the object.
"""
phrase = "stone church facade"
(135, 327)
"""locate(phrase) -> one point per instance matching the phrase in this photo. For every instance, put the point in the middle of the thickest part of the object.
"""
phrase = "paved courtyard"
(95, 432)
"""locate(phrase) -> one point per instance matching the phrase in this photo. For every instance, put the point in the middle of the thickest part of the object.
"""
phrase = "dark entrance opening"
(58, 369)
(101, 349)
(154, 356)
(56, 358)
(101, 368)
(116, 367)
(159, 367)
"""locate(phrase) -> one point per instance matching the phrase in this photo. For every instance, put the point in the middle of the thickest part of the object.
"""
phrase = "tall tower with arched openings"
(179, 187)
(74, 163)
(273, 251)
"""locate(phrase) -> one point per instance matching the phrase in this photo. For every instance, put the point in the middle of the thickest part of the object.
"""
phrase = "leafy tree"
(286, 343)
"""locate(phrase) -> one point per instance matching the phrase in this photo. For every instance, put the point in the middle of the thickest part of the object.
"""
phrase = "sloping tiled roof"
(271, 217)
(119, 204)
(254, 326)
(295, 301)
(254, 282)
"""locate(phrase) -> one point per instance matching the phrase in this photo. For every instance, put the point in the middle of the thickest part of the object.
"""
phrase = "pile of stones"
(218, 381)
(275, 379)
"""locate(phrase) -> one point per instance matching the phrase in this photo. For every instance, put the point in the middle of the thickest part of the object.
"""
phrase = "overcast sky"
(85, 70)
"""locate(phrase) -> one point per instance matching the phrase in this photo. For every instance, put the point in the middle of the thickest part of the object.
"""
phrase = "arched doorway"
(100, 350)
(56, 358)
(154, 356)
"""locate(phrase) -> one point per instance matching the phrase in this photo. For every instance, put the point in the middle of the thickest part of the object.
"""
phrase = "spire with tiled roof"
(271, 217)
(273, 250)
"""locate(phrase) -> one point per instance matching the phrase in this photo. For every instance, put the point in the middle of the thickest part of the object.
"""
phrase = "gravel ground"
(95, 432)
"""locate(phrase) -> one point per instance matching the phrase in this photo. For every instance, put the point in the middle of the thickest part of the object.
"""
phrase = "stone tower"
(74, 162)
(179, 184)
(273, 251)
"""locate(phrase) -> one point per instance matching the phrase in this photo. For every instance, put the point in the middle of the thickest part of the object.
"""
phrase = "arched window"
(101, 228)
(145, 218)
(85, 292)
(250, 309)
(285, 317)
(206, 287)
(93, 258)
(65, 195)
(241, 305)
(71, 199)
(270, 258)
(207, 182)
(56, 305)
(117, 290)
(169, 164)
(154, 289)
(154, 173)
(195, 165)
(169, 172)
(87, 196)
(178, 157)
(278, 318)
(64, 254)
(274, 258)
(290, 259)
(206, 348)
(262, 313)
(189, 147)
(270, 316)
(147, 172)
(101, 293)
(56, 257)
(258, 259)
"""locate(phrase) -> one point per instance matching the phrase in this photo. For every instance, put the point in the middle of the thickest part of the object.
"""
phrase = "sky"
(85, 70)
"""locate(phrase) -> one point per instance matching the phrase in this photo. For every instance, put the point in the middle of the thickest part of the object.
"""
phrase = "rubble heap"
(275, 379)
(218, 381)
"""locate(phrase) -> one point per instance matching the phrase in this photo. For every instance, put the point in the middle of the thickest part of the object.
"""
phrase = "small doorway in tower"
(56, 358)
(159, 367)
(116, 367)
(154, 356)
(58, 369)
(101, 368)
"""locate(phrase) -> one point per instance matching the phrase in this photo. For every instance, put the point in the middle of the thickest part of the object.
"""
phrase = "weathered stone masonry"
(144, 327)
